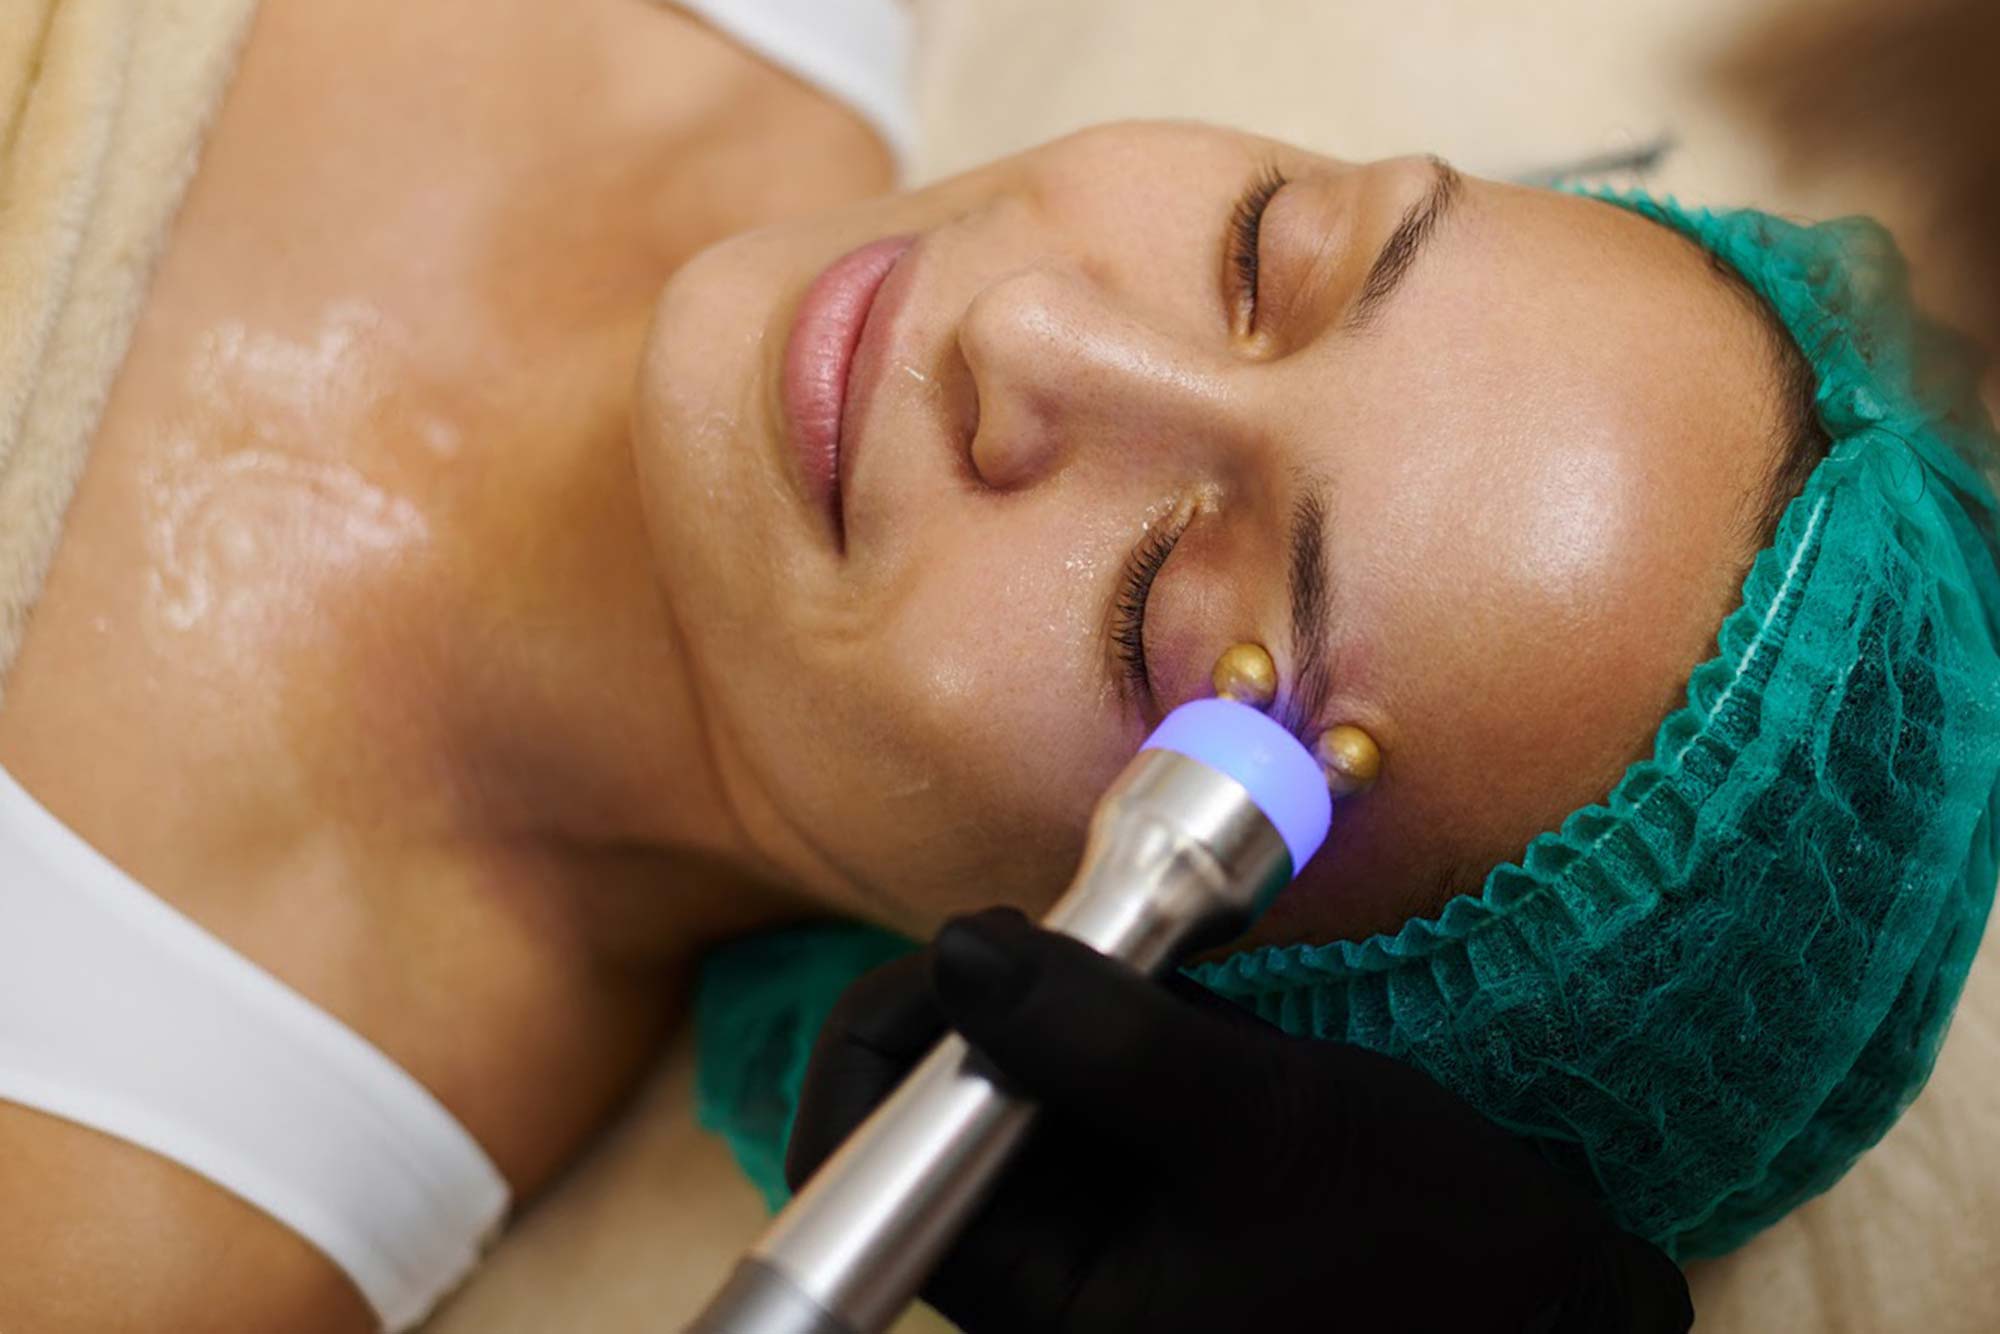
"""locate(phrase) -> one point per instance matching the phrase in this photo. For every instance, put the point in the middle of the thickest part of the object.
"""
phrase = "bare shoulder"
(601, 75)
(101, 1236)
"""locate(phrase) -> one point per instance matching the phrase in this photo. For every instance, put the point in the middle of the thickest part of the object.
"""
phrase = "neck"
(571, 718)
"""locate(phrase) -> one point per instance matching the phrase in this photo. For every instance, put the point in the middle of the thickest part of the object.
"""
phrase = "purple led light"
(1281, 775)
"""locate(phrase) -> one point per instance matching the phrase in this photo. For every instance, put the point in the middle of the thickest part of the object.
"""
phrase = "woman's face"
(1483, 453)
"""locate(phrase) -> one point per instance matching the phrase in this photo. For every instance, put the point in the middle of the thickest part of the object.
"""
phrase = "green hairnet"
(1710, 993)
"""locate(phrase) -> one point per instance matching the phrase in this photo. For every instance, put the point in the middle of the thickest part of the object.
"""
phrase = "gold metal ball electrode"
(1351, 758)
(1246, 674)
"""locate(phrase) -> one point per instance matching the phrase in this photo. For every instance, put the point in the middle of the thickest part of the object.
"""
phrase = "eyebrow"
(1309, 580)
(1311, 598)
(1399, 254)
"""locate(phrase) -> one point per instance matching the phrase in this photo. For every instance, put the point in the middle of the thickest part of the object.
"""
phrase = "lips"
(819, 360)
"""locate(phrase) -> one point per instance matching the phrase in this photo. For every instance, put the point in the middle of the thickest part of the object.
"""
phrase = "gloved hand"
(1195, 1169)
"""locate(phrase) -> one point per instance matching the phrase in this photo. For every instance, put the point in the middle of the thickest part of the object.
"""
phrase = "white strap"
(858, 51)
(121, 1014)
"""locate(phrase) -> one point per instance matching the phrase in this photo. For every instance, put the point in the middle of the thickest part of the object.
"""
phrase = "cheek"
(992, 671)
(964, 737)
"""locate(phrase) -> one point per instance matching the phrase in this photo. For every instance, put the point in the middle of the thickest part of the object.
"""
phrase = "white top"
(119, 1013)
(858, 51)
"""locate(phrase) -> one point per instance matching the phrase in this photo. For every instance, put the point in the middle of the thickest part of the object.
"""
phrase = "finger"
(880, 1028)
(1092, 1037)
(888, 1011)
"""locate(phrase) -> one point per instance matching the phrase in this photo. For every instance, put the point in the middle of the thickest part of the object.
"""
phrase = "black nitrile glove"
(1197, 1170)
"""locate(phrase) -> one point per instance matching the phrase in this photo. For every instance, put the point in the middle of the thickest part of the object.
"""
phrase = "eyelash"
(1246, 220)
(1128, 631)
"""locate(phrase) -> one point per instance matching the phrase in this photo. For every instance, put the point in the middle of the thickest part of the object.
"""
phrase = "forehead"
(1541, 461)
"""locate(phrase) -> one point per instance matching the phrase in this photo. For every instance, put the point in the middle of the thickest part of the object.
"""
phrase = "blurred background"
(1806, 107)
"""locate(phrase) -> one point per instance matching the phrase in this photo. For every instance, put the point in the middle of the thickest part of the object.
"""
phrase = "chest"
(407, 287)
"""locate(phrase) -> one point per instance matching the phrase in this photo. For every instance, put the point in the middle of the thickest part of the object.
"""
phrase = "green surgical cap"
(1710, 993)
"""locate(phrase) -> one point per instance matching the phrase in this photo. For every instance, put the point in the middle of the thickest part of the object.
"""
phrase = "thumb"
(1099, 1042)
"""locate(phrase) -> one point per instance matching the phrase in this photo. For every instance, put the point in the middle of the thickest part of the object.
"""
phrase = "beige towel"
(102, 108)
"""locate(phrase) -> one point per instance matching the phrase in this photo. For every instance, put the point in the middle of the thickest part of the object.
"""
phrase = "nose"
(1062, 365)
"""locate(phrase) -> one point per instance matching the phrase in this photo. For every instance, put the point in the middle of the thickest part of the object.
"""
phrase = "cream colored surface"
(1906, 1241)
(630, 1237)
(1498, 87)
(635, 1238)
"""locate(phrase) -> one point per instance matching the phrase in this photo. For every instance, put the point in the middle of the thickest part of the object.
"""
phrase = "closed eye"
(1128, 612)
(1241, 249)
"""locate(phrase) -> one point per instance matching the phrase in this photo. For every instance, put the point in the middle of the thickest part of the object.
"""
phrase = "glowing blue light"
(1281, 775)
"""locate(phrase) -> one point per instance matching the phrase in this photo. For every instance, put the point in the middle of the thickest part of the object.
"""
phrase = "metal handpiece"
(1177, 852)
